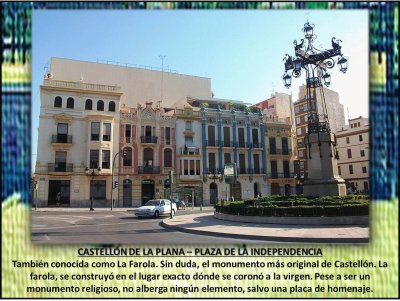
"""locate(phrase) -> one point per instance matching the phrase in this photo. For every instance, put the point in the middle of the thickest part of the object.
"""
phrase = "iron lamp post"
(92, 173)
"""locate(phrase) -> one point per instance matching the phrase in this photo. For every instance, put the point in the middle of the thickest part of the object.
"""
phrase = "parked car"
(156, 208)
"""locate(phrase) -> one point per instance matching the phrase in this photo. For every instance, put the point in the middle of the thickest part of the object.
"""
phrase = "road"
(112, 227)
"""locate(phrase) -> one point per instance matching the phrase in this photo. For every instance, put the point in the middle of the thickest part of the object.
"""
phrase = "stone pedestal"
(323, 176)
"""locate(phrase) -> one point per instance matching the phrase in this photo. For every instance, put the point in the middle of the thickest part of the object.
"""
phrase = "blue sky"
(240, 50)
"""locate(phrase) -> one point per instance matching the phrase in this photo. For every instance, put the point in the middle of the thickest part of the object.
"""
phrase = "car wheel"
(156, 214)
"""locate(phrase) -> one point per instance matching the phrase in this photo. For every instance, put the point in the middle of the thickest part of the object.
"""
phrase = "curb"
(266, 238)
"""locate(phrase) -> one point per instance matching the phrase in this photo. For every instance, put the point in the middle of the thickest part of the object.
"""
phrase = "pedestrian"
(58, 199)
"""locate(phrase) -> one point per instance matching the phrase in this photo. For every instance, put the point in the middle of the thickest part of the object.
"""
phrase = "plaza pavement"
(201, 221)
(204, 223)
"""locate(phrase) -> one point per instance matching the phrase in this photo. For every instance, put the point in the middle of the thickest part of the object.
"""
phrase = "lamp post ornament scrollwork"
(316, 63)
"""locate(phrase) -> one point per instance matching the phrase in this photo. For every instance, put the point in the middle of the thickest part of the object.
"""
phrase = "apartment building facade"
(78, 136)
(335, 113)
(353, 148)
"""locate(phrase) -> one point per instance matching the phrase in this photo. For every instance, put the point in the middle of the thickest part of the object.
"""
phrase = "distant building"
(281, 151)
(353, 148)
(279, 105)
(334, 110)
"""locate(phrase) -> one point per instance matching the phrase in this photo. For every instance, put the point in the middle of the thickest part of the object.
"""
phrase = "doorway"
(213, 193)
(127, 193)
(56, 186)
(147, 190)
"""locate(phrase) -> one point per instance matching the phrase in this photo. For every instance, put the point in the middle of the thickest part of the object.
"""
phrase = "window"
(70, 103)
(147, 131)
(347, 140)
(362, 153)
(211, 135)
(349, 153)
(111, 106)
(98, 189)
(106, 131)
(298, 131)
(256, 162)
(94, 158)
(95, 131)
(127, 161)
(285, 146)
(339, 170)
(366, 186)
(358, 124)
(105, 163)
(60, 161)
(360, 138)
(186, 167)
(351, 169)
(192, 167)
(227, 136)
(167, 157)
(167, 135)
(274, 169)
(364, 169)
(188, 125)
(88, 104)
(198, 167)
(300, 142)
(128, 133)
(62, 133)
(211, 161)
(241, 137)
(227, 158)
(301, 154)
(242, 164)
(100, 105)
(58, 102)
(254, 134)
(272, 145)
(286, 169)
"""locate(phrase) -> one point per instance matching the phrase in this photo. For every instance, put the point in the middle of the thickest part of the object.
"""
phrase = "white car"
(156, 208)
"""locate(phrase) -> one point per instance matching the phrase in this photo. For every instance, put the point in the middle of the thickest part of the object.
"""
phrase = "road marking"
(96, 225)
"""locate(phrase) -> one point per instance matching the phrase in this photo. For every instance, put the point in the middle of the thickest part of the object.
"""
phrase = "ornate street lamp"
(92, 173)
(319, 141)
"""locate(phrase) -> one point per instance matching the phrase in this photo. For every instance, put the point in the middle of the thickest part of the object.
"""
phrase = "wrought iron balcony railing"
(60, 167)
(148, 169)
(148, 139)
(61, 138)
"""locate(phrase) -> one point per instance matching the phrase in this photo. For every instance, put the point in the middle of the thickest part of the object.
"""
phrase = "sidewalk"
(206, 224)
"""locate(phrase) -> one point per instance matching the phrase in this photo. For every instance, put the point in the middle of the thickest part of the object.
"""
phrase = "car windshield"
(152, 203)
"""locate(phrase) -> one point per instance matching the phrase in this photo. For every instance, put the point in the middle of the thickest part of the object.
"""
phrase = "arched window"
(111, 106)
(168, 157)
(58, 102)
(127, 157)
(100, 105)
(70, 103)
(88, 104)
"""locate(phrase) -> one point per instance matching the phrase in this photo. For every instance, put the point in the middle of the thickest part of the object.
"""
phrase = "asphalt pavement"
(191, 226)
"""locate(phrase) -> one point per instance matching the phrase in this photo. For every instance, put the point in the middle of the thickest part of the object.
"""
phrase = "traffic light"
(167, 183)
(125, 152)
(115, 184)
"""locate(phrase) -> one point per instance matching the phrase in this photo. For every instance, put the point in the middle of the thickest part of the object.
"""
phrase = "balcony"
(241, 144)
(148, 139)
(60, 167)
(242, 171)
(256, 145)
(148, 169)
(278, 151)
(256, 171)
(190, 151)
(61, 138)
(280, 175)
(226, 143)
(212, 142)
